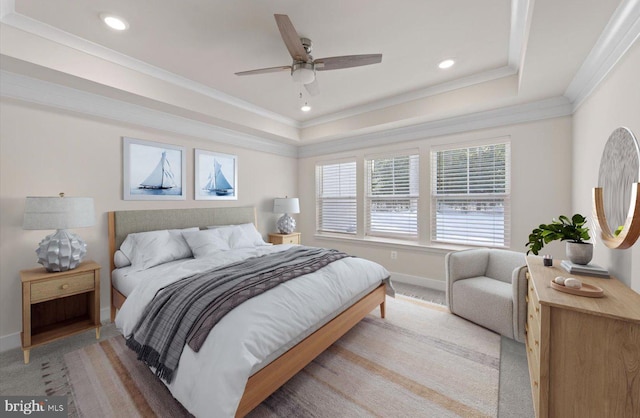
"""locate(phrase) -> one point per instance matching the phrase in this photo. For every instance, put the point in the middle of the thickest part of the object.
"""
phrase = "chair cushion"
(485, 301)
(502, 263)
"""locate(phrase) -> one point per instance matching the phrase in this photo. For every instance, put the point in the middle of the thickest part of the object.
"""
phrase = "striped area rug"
(421, 361)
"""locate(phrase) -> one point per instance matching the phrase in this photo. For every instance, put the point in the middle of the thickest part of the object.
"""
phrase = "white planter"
(579, 253)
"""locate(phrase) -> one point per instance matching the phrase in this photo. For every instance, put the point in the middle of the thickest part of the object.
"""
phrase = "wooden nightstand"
(57, 305)
(293, 238)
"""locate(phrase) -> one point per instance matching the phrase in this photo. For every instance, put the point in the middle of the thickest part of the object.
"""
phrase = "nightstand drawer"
(293, 238)
(290, 240)
(52, 289)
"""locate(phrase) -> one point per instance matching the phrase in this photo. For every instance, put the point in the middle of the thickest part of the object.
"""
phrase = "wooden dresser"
(583, 353)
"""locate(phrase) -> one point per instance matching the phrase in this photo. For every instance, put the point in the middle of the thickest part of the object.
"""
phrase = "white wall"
(44, 152)
(615, 103)
(540, 184)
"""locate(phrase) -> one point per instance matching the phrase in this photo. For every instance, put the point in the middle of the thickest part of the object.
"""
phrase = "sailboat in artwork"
(161, 177)
(217, 183)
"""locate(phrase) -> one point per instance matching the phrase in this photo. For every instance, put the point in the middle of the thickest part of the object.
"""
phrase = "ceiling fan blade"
(266, 70)
(346, 61)
(291, 38)
(313, 88)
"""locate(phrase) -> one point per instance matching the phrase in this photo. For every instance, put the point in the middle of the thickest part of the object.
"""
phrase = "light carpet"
(419, 361)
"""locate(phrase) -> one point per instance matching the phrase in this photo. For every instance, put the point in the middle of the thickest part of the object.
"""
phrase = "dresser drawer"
(52, 289)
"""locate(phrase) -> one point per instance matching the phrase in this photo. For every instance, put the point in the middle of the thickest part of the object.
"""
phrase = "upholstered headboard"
(125, 222)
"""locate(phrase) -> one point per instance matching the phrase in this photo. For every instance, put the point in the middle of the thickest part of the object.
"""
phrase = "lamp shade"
(286, 205)
(58, 212)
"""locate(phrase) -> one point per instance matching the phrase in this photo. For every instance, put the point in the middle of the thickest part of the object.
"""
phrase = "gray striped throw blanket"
(186, 311)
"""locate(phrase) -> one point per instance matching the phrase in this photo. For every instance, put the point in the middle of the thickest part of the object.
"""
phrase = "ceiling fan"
(304, 67)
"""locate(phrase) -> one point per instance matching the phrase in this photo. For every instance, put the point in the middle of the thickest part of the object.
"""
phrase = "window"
(336, 202)
(392, 196)
(470, 195)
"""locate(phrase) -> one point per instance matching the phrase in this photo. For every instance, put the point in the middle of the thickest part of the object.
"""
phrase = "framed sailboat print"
(216, 176)
(153, 170)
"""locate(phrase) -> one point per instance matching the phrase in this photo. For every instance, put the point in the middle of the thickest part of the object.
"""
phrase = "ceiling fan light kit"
(303, 72)
(303, 68)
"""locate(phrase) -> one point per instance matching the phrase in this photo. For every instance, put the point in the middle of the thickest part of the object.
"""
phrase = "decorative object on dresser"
(583, 352)
(57, 305)
(488, 287)
(153, 170)
(588, 269)
(564, 229)
(216, 176)
(616, 200)
(293, 238)
(62, 250)
(286, 224)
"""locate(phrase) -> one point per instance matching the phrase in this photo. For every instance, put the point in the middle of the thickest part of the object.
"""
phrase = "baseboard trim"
(419, 281)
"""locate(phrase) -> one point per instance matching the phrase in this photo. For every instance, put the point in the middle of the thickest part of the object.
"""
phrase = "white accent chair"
(488, 287)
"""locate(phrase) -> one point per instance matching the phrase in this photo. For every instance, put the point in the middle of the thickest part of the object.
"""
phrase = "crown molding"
(519, 14)
(543, 109)
(620, 33)
(31, 90)
(415, 95)
(10, 17)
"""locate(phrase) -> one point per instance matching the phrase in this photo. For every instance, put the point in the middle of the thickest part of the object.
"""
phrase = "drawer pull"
(535, 383)
(537, 309)
(536, 342)
(530, 350)
(64, 286)
(531, 316)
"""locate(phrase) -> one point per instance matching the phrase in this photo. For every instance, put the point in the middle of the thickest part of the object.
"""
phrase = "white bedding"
(211, 382)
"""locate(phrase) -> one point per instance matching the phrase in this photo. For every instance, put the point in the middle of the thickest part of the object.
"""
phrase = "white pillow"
(208, 241)
(120, 260)
(147, 249)
(241, 236)
(178, 246)
(245, 235)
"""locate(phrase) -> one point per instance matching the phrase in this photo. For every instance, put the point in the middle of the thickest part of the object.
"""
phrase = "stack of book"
(588, 269)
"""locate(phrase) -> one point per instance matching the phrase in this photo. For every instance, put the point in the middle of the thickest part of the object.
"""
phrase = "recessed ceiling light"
(446, 64)
(305, 107)
(114, 22)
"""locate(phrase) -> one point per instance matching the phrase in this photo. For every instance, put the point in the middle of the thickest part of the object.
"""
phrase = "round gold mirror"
(616, 200)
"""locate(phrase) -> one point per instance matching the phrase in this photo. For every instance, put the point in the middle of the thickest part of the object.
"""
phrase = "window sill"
(395, 243)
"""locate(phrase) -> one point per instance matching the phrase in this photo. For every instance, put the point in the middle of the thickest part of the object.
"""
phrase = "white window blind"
(392, 196)
(471, 195)
(336, 204)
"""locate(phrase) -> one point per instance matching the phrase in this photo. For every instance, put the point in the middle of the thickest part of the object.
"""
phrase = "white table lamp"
(286, 224)
(62, 250)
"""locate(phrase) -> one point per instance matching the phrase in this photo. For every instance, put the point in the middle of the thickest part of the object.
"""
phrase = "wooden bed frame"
(267, 380)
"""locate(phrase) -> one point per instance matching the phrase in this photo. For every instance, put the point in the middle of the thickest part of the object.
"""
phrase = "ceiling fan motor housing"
(306, 43)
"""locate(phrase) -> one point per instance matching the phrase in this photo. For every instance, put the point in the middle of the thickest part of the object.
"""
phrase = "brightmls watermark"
(33, 406)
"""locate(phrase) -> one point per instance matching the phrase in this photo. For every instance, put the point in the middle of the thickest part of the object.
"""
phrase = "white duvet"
(211, 382)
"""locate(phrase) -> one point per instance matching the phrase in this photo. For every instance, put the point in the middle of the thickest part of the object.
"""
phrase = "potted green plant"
(571, 230)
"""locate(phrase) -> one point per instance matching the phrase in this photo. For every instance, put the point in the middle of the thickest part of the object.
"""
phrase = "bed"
(268, 372)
